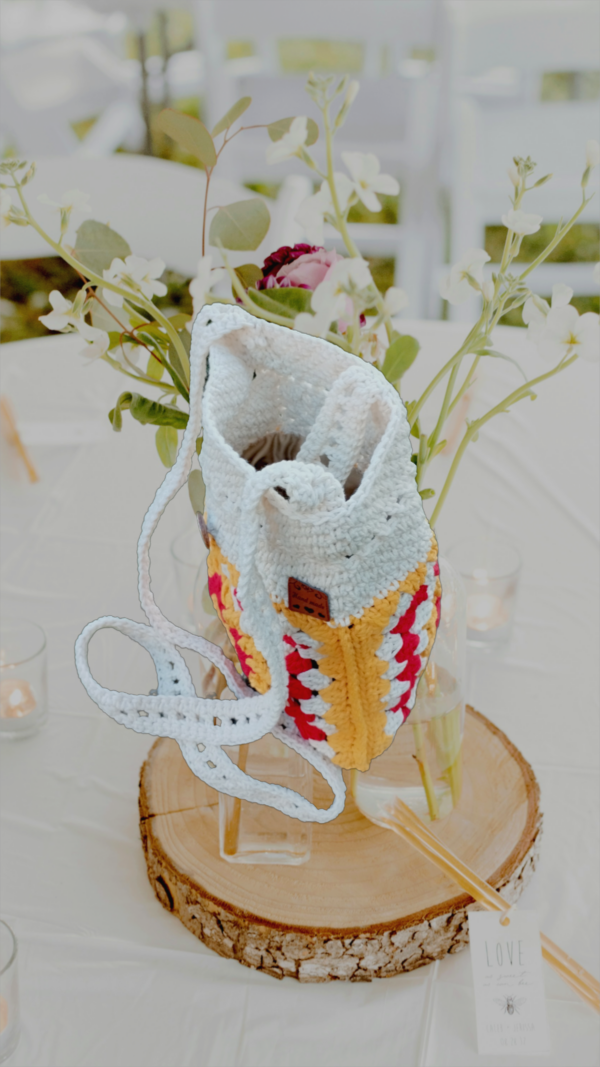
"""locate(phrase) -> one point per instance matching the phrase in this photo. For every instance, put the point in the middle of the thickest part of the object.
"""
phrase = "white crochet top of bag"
(354, 526)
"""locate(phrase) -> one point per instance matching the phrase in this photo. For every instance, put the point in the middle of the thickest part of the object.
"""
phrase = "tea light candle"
(485, 610)
(16, 698)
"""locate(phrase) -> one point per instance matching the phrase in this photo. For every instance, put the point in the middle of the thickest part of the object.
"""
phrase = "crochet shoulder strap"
(202, 726)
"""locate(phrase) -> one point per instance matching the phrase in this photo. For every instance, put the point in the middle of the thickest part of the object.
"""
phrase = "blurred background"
(450, 91)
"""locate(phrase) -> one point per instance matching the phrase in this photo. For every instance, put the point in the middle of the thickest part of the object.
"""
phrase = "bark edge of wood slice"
(320, 922)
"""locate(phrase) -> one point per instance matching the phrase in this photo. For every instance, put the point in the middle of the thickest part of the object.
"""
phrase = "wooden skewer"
(402, 821)
(14, 438)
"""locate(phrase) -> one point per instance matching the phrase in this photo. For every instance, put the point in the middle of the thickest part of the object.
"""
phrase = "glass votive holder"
(23, 684)
(256, 833)
(10, 1026)
(490, 571)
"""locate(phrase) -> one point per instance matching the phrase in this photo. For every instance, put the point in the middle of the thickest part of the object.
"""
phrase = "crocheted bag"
(322, 565)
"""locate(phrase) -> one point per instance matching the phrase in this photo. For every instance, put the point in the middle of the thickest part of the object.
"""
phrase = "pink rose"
(308, 271)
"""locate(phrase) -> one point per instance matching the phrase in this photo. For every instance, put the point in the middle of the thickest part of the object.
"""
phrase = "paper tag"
(510, 1003)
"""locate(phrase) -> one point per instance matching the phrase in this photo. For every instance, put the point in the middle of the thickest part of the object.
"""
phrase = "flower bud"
(592, 154)
(487, 290)
(514, 176)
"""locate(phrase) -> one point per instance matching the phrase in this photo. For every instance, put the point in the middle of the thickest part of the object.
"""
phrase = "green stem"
(558, 236)
(475, 426)
(456, 358)
(134, 298)
(424, 771)
(465, 385)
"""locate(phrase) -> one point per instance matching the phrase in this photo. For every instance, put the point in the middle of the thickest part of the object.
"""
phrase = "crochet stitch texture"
(333, 689)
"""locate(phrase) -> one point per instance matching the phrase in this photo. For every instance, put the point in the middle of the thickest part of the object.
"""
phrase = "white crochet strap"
(175, 711)
(339, 431)
(202, 726)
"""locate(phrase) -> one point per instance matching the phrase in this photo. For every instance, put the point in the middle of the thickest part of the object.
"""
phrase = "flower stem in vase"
(424, 771)
(232, 829)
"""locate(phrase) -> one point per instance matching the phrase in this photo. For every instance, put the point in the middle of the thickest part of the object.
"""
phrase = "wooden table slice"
(366, 904)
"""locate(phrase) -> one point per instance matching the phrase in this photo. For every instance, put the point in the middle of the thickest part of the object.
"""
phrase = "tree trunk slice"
(366, 905)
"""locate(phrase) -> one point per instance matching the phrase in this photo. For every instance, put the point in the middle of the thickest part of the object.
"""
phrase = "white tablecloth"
(108, 977)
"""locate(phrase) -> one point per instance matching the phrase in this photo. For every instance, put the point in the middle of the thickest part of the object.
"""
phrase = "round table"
(107, 975)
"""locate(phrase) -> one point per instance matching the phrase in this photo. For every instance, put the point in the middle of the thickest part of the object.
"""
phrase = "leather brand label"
(307, 600)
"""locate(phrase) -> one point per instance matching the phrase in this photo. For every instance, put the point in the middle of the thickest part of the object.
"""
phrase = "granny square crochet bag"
(321, 565)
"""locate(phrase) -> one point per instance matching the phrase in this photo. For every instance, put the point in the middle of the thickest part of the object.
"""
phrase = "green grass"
(580, 245)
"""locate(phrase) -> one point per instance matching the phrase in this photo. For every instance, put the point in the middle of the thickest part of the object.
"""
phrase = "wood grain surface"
(366, 904)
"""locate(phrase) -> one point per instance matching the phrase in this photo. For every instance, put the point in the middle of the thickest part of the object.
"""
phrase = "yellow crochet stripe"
(348, 657)
(256, 666)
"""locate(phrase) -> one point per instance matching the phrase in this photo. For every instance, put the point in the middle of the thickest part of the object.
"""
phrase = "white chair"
(154, 204)
(50, 84)
(394, 115)
(494, 118)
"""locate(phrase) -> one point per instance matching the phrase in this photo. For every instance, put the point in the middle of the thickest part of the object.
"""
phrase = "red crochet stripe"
(303, 722)
(406, 621)
(407, 652)
(245, 661)
(215, 585)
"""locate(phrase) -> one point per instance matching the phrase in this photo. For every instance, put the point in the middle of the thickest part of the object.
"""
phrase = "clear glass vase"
(255, 833)
(423, 765)
(248, 833)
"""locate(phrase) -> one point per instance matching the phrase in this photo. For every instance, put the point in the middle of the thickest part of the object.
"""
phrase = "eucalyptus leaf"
(155, 368)
(180, 362)
(166, 444)
(197, 491)
(189, 133)
(277, 129)
(179, 321)
(248, 274)
(288, 301)
(241, 226)
(400, 355)
(147, 411)
(97, 245)
(232, 115)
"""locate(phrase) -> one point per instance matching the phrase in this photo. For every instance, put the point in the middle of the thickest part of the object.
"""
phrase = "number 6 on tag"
(510, 1004)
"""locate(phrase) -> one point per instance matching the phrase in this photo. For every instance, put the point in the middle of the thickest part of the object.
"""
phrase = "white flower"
(62, 316)
(201, 285)
(311, 212)
(330, 299)
(73, 200)
(536, 309)
(566, 333)
(522, 223)
(592, 154)
(290, 144)
(514, 176)
(96, 346)
(351, 93)
(596, 274)
(6, 206)
(136, 274)
(70, 316)
(364, 168)
(465, 276)
(487, 291)
(395, 300)
(373, 345)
